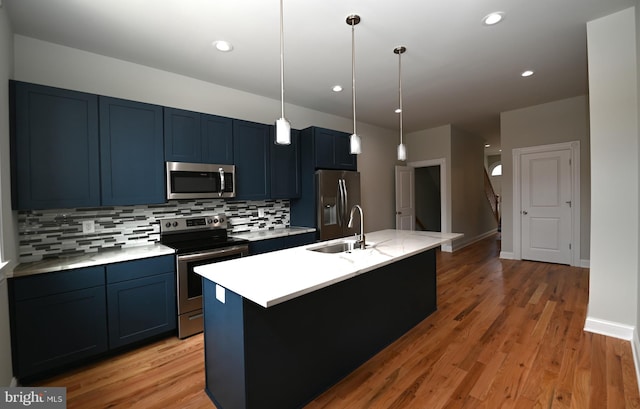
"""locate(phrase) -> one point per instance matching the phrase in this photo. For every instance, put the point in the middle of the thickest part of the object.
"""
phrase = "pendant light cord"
(281, 58)
(400, 90)
(353, 72)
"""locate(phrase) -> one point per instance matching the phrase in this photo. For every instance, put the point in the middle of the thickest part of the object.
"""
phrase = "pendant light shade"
(355, 144)
(283, 127)
(402, 149)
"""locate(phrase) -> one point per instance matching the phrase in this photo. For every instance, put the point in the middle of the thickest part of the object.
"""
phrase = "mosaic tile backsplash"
(58, 233)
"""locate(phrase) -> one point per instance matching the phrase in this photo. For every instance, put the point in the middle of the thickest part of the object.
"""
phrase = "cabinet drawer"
(130, 270)
(57, 282)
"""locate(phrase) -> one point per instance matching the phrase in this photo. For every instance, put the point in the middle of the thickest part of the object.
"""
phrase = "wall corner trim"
(507, 255)
(585, 263)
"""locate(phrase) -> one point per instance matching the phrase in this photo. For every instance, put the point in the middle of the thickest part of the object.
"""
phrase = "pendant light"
(283, 127)
(402, 149)
(355, 146)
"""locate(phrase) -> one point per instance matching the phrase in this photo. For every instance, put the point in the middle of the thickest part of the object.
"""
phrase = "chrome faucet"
(360, 240)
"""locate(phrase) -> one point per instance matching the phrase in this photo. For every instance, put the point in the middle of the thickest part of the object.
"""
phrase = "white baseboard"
(635, 348)
(447, 248)
(609, 328)
(461, 245)
(507, 255)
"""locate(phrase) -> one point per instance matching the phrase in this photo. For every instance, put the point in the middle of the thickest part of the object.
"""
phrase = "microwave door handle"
(221, 172)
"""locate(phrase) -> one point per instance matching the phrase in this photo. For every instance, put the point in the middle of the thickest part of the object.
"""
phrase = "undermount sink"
(333, 248)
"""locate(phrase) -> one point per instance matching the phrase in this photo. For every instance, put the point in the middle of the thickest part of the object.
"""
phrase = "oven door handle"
(227, 251)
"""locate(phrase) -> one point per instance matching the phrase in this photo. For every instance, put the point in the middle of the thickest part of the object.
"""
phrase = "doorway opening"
(428, 199)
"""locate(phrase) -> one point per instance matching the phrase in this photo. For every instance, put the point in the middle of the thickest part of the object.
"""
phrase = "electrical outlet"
(260, 212)
(88, 226)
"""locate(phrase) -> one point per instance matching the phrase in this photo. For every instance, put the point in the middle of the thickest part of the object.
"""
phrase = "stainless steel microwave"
(200, 180)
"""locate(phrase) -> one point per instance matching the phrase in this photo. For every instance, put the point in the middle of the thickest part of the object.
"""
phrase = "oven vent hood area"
(200, 181)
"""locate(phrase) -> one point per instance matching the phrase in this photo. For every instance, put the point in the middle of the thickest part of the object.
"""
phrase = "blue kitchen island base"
(286, 355)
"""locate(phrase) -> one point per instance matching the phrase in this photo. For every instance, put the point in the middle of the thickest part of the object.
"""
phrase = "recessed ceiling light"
(336, 88)
(493, 18)
(398, 110)
(223, 46)
(527, 73)
(486, 145)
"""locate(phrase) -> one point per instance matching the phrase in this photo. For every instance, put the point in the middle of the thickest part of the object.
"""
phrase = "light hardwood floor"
(507, 334)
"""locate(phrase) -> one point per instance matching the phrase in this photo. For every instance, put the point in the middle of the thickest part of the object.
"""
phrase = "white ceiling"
(455, 70)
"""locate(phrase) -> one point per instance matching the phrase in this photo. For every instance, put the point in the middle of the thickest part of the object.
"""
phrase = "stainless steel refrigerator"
(337, 192)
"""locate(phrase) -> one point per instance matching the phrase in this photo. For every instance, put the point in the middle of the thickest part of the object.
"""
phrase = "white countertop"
(91, 259)
(272, 234)
(272, 278)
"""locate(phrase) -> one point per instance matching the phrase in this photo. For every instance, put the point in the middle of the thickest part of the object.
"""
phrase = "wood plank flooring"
(507, 334)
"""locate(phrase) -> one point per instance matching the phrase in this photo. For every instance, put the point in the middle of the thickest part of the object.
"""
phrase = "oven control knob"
(221, 219)
(215, 220)
(209, 221)
(167, 224)
(175, 224)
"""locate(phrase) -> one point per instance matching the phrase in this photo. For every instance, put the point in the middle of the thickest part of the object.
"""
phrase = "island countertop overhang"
(272, 278)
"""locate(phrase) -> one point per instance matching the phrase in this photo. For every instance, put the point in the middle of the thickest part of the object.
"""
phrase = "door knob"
(525, 212)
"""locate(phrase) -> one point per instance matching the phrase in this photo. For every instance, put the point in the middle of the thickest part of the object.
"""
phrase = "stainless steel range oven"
(197, 240)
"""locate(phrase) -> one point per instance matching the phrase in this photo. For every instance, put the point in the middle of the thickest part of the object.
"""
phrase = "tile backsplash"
(58, 233)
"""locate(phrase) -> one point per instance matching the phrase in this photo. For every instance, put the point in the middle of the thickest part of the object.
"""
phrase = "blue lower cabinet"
(281, 243)
(296, 240)
(54, 322)
(141, 308)
(265, 246)
(63, 318)
(141, 299)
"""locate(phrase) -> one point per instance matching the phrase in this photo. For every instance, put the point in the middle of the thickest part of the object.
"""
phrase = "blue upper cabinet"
(198, 138)
(55, 155)
(330, 149)
(181, 135)
(251, 143)
(285, 167)
(217, 139)
(131, 152)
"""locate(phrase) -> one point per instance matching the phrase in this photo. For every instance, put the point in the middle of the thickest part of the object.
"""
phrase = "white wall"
(470, 210)
(7, 218)
(430, 144)
(613, 100)
(50, 64)
(636, 339)
(566, 120)
(467, 209)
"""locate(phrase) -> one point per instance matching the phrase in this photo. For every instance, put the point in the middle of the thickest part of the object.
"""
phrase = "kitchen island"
(282, 327)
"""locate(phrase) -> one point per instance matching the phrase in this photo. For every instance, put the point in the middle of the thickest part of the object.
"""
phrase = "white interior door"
(546, 206)
(405, 198)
